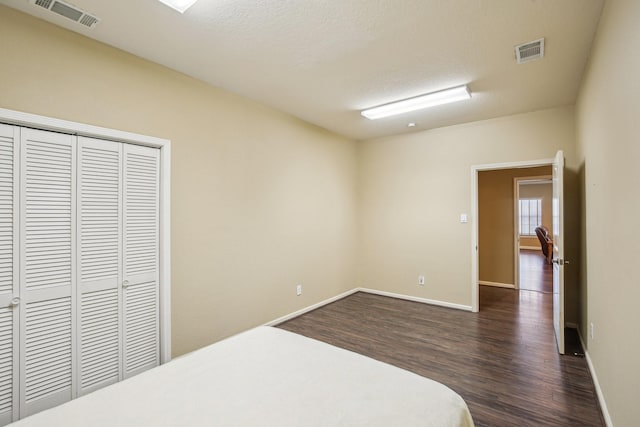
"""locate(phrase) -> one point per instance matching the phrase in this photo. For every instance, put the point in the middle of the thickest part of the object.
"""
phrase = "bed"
(266, 377)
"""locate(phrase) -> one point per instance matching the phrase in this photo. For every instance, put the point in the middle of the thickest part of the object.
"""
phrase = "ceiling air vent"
(530, 51)
(44, 3)
(68, 11)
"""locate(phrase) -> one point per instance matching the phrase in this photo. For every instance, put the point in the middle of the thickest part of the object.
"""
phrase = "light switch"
(463, 218)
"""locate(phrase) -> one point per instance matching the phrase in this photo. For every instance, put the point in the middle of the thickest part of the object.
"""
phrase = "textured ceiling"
(324, 60)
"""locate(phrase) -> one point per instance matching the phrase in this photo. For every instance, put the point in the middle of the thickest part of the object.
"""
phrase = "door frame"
(475, 169)
(517, 181)
(19, 118)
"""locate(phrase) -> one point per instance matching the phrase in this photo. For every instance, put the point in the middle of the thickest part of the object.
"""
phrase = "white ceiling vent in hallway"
(530, 51)
(68, 11)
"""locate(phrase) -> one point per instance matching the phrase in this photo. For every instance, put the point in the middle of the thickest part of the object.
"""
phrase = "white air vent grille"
(88, 20)
(68, 11)
(530, 51)
(44, 3)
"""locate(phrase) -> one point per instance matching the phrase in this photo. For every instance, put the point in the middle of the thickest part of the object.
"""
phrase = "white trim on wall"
(304, 310)
(497, 284)
(165, 252)
(417, 299)
(310, 308)
(74, 128)
(19, 118)
(475, 169)
(596, 384)
(516, 234)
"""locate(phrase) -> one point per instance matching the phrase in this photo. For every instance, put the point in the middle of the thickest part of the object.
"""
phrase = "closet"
(79, 266)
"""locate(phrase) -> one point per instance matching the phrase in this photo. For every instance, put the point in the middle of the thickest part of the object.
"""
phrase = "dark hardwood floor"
(502, 360)
(535, 273)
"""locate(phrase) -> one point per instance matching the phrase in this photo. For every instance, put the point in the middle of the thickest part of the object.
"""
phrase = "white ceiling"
(324, 60)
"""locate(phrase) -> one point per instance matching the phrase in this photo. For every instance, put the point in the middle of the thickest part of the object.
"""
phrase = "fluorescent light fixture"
(458, 93)
(179, 5)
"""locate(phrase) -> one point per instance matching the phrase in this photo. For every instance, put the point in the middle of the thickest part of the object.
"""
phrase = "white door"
(140, 258)
(558, 249)
(47, 269)
(79, 266)
(9, 290)
(99, 266)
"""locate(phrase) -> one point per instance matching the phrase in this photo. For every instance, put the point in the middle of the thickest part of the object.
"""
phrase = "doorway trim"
(475, 169)
(517, 181)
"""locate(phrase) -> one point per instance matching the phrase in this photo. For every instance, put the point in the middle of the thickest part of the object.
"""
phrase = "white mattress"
(266, 377)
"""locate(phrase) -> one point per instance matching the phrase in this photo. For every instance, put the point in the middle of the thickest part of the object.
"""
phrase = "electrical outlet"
(298, 290)
(420, 280)
(591, 330)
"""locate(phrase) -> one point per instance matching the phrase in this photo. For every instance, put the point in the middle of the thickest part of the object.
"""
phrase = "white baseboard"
(497, 284)
(310, 308)
(369, 291)
(532, 248)
(596, 383)
(603, 404)
(417, 299)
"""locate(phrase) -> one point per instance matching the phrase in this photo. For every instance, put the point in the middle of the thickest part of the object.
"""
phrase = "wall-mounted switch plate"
(298, 290)
(463, 218)
(420, 280)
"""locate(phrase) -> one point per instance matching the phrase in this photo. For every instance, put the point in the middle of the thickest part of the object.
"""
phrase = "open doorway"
(557, 167)
(533, 244)
(499, 223)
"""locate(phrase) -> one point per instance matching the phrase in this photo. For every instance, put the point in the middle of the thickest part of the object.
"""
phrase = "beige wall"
(496, 217)
(608, 135)
(260, 200)
(415, 186)
(545, 193)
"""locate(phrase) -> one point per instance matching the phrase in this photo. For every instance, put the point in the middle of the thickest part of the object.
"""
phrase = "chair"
(546, 242)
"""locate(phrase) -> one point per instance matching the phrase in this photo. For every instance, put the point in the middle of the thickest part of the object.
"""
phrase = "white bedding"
(266, 377)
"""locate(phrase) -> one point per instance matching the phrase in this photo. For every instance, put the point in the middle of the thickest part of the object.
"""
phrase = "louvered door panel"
(47, 348)
(142, 327)
(99, 340)
(141, 233)
(6, 208)
(99, 267)
(8, 274)
(47, 269)
(7, 362)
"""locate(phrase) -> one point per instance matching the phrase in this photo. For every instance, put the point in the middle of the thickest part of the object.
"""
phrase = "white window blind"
(530, 216)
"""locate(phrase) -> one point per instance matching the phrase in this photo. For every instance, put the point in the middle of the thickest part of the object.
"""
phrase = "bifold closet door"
(47, 264)
(9, 292)
(79, 266)
(140, 258)
(99, 267)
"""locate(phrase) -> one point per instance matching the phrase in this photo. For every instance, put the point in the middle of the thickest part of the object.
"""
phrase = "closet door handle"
(14, 302)
(125, 284)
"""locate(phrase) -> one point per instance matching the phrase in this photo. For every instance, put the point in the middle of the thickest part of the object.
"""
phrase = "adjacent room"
(292, 213)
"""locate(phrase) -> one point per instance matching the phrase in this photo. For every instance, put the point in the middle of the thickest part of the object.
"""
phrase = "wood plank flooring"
(502, 360)
(535, 273)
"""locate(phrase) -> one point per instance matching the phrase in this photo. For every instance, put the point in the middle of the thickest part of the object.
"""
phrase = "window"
(530, 216)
